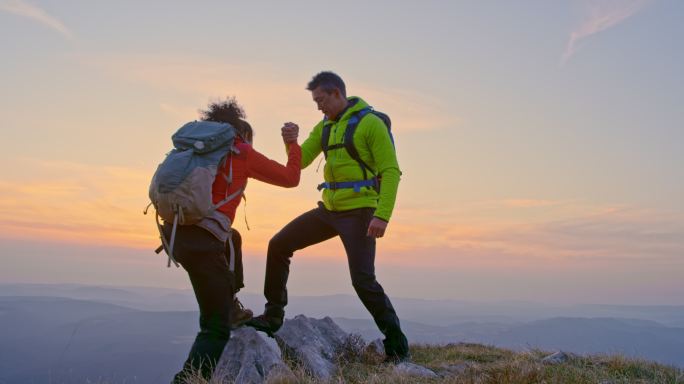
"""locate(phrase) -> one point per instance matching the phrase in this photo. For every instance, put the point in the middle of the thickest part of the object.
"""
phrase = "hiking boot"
(239, 314)
(396, 347)
(265, 323)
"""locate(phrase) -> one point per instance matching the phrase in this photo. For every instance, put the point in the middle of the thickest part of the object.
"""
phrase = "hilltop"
(317, 351)
(478, 364)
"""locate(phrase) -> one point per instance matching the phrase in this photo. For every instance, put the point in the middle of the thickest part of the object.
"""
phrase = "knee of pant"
(278, 244)
(363, 282)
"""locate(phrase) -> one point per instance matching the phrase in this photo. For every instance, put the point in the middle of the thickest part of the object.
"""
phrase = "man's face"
(328, 103)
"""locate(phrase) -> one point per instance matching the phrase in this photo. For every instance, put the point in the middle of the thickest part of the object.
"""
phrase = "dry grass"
(479, 364)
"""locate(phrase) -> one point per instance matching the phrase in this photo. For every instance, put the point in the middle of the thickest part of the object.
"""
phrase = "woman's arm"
(270, 171)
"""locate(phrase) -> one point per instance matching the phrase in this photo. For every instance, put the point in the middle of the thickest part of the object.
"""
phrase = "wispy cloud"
(603, 14)
(561, 232)
(76, 203)
(94, 204)
(266, 90)
(35, 13)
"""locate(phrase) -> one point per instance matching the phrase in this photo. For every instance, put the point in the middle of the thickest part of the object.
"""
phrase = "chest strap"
(356, 185)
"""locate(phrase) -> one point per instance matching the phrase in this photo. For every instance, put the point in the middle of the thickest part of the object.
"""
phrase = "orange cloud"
(79, 203)
(102, 205)
(555, 232)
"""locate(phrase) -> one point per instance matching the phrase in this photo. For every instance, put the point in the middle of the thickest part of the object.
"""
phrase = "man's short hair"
(328, 81)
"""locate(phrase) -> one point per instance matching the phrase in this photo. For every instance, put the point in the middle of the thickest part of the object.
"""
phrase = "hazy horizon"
(50, 332)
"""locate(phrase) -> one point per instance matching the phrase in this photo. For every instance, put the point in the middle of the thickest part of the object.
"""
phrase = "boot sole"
(268, 331)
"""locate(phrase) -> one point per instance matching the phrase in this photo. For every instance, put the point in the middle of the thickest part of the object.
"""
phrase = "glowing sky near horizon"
(541, 143)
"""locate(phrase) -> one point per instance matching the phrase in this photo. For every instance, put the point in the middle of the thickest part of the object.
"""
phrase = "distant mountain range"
(70, 333)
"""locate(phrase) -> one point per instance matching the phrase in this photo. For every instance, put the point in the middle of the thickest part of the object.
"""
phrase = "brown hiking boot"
(239, 314)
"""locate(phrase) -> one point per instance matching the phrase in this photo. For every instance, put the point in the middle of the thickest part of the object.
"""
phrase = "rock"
(313, 343)
(375, 348)
(415, 370)
(453, 369)
(557, 358)
(251, 358)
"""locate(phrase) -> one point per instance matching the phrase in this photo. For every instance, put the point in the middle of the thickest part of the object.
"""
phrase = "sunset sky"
(541, 142)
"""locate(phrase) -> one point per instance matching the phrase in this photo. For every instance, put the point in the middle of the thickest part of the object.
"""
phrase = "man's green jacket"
(375, 147)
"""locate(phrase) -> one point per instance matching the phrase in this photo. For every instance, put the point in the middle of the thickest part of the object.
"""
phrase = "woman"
(204, 256)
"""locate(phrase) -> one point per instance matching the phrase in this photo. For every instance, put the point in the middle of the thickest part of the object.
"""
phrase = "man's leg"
(310, 228)
(352, 227)
(203, 258)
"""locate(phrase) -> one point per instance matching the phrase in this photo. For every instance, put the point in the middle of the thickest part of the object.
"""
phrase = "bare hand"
(376, 228)
(290, 132)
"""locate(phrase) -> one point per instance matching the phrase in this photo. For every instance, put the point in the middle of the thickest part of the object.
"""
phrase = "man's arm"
(382, 148)
(311, 147)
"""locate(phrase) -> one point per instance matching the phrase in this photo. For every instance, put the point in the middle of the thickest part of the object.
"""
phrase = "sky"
(541, 142)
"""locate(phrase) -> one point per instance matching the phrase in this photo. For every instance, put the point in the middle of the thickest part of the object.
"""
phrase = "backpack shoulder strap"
(353, 123)
(325, 139)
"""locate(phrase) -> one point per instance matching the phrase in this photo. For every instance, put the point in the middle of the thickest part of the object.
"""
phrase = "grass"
(478, 364)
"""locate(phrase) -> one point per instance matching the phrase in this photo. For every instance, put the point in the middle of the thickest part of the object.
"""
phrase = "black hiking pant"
(237, 247)
(319, 225)
(204, 258)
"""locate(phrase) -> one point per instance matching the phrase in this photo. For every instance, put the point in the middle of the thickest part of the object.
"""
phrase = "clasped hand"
(290, 132)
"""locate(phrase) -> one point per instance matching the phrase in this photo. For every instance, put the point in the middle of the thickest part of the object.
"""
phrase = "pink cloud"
(604, 14)
(30, 11)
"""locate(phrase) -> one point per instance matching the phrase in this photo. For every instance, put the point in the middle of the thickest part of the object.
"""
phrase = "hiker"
(356, 206)
(202, 249)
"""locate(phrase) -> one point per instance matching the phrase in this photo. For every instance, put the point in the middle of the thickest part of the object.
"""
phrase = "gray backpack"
(181, 188)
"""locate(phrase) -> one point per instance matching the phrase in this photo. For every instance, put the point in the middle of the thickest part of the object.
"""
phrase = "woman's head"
(229, 111)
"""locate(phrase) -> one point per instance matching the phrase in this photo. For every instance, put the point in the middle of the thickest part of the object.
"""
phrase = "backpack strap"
(348, 144)
(325, 138)
(229, 181)
(165, 245)
(353, 123)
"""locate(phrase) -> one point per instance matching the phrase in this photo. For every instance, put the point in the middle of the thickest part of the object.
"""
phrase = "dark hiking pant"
(237, 247)
(319, 225)
(204, 258)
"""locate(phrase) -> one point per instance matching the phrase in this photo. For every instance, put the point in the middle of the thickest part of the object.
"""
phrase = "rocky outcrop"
(250, 357)
(316, 345)
(558, 358)
(410, 369)
(312, 343)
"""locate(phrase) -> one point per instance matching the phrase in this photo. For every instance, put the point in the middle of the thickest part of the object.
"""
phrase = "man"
(356, 207)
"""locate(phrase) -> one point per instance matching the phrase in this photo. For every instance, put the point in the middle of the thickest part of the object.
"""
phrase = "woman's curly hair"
(229, 111)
